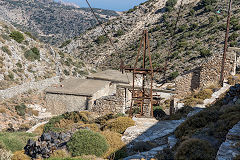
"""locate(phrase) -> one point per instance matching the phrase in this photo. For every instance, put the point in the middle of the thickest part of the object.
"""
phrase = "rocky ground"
(33, 112)
(27, 59)
(149, 137)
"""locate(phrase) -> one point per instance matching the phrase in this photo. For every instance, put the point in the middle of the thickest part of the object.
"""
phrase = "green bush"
(233, 36)
(170, 4)
(50, 126)
(205, 53)
(195, 149)
(15, 141)
(21, 109)
(101, 39)
(173, 75)
(86, 142)
(119, 124)
(32, 54)
(17, 36)
(6, 50)
(119, 33)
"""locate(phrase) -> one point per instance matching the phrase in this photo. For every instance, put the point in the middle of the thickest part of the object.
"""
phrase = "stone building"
(206, 74)
(86, 94)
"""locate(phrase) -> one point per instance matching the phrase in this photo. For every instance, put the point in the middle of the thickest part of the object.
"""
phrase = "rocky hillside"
(199, 34)
(23, 58)
(52, 22)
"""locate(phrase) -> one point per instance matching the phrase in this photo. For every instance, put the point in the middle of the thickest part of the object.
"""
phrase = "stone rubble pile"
(47, 144)
(233, 96)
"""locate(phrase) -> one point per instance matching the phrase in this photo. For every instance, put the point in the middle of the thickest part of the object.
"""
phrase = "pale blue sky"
(117, 5)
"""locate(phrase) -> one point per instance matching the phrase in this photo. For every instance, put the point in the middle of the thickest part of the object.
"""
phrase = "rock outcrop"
(231, 147)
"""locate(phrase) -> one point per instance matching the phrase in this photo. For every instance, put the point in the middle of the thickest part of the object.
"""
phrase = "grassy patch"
(15, 141)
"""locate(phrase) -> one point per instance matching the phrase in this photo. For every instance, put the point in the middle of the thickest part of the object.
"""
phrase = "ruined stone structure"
(117, 103)
(75, 95)
(205, 75)
(97, 93)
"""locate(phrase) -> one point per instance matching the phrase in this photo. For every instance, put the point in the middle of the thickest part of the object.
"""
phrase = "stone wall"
(207, 74)
(117, 103)
(40, 85)
(59, 104)
(109, 104)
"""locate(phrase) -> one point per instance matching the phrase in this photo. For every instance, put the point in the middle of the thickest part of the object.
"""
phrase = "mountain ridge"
(53, 22)
(200, 33)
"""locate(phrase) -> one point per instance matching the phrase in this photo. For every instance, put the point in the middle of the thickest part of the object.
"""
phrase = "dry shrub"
(39, 130)
(5, 155)
(19, 155)
(103, 119)
(232, 80)
(115, 142)
(60, 154)
(198, 98)
(93, 127)
(193, 149)
(64, 124)
(35, 112)
(191, 101)
(119, 124)
(76, 116)
(2, 110)
(204, 94)
(24, 127)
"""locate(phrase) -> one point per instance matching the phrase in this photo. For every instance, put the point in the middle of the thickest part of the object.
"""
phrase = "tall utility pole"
(226, 42)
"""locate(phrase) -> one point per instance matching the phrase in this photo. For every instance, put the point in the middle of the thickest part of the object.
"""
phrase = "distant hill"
(23, 58)
(199, 34)
(51, 21)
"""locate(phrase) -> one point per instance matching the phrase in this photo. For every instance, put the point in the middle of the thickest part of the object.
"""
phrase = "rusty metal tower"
(142, 95)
